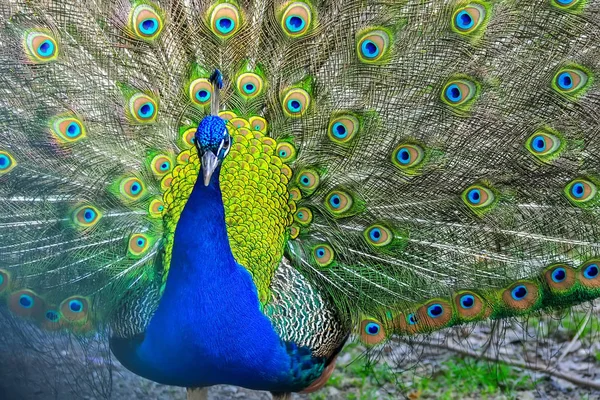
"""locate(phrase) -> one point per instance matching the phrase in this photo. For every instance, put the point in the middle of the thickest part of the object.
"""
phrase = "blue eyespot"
(467, 301)
(320, 252)
(565, 2)
(559, 275)
(73, 130)
(75, 306)
(89, 215)
(335, 201)
(539, 143)
(372, 328)
(565, 81)
(294, 23)
(148, 26)
(301, 215)
(165, 166)
(474, 196)
(294, 106)
(203, 95)
(369, 49)
(305, 180)
(282, 153)
(464, 20)
(26, 301)
(519, 292)
(375, 234)
(46, 48)
(141, 242)
(339, 130)
(578, 190)
(411, 319)
(225, 25)
(161, 208)
(52, 316)
(435, 310)
(591, 271)
(249, 88)
(403, 156)
(4, 162)
(453, 93)
(146, 110)
(136, 188)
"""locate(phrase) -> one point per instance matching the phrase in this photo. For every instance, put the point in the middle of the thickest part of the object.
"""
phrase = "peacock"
(227, 191)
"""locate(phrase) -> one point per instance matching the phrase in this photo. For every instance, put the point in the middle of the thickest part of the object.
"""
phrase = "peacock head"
(213, 143)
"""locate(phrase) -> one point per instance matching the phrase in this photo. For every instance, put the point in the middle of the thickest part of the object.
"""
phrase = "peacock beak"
(209, 164)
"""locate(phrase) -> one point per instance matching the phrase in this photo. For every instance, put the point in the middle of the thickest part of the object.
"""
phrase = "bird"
(229, 191)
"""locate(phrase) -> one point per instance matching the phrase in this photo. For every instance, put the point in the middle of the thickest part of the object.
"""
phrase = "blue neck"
(208, 328)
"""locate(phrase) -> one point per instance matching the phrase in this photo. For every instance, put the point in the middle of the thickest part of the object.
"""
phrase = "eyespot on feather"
(338, 202)
(544, 145)
(521, 296)
(373, 45)
(434, 314)
(86, 216)
(408, 157)
(571, 81)
(249, 85)
(303, 216)
(25, 303)
(50, 320)
(560, 278)
(40, 47)
(132, 188)
(227, 115)
(589, 274)
(258, 124)
(479, 198)
(67, 129)
(75, 309)
(295, 102)
(459, 93)
(308, 180)
(145, 22)
(469, 19)
(286, 152)
(143, 108)
(200, 91)
(156, 208)
(378, 235)
(138, 245)
(468, 305)
(580, 191)
(296, 19)
(7, 162)
(323, 255)
(568, 5)
(371, 332)
(343, 128)
(224, 20)
(161, 165)
(188, 137)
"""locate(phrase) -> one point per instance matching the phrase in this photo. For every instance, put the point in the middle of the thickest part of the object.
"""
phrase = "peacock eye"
(200, 91)
(544, 145)
(286, 152)
(296, 19)
(143, 108)
(580, 191)
(407, 157)
(459, 92)
(296, 102)
(478, 197)
(40, 47)
(323, 255)
(145, 22)
(570, 81)
(343, 128)
(468, 19)
(249, 85)
(378, 235)
(372, 46)
(224, 20)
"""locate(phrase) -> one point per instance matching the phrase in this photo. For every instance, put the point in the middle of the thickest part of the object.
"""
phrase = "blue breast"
(208, 328)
